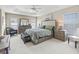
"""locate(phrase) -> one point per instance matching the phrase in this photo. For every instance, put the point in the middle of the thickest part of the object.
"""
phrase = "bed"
(38, 34)
(41, 34)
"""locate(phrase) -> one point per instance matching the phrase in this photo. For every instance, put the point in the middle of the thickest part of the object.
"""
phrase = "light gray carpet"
(51, 46)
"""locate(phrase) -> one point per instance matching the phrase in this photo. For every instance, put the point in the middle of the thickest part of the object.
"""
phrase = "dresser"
(61, 35)
(21, 29)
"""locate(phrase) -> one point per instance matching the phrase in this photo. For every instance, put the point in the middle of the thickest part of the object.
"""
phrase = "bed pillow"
(49, 27)
(42, 27)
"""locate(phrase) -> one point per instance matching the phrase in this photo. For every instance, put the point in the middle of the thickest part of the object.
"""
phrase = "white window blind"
(71, 22)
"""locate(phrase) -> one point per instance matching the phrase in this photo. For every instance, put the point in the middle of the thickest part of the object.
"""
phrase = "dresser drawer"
(60, 35)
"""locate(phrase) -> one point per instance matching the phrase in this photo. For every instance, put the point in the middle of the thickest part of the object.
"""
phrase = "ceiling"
(27, 9)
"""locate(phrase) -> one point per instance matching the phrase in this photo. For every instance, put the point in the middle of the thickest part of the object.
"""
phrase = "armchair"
(10, 31)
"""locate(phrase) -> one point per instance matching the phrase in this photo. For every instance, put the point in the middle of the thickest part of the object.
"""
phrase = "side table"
(74, 39)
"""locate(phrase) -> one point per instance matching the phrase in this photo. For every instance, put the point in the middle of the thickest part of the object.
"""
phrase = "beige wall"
(59, 15)
(17, 17)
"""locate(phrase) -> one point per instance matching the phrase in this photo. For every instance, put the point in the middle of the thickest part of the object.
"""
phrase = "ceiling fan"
(34, 8)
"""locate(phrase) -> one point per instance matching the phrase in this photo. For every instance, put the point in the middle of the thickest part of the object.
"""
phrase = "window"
(14, 23)
(71, 22)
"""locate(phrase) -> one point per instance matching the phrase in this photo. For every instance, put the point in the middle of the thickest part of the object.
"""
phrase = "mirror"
(24, 21)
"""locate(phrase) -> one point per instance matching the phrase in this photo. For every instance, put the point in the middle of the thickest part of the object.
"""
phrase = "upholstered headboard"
(48, 23)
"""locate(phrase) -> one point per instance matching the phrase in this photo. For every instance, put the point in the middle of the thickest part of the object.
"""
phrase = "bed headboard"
(48, 23)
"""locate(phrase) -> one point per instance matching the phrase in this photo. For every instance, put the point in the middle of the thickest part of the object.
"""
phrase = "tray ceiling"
(37, 10)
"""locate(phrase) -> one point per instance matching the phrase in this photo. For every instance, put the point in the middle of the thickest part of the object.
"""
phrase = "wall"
(17, 17)
(44, 17)
(2, 22)
(59, 15)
